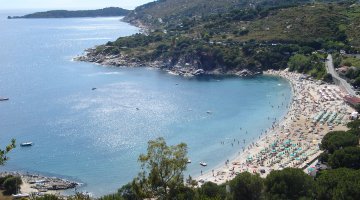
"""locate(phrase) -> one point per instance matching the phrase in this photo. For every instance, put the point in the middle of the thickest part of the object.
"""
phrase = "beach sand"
(27, 188)
(39, 184)
(294, 141)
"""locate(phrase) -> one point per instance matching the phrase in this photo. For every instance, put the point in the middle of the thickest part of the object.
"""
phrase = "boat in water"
(26, 144)
(188, 161)
(203, 164)
(20, 196)
(3, 99)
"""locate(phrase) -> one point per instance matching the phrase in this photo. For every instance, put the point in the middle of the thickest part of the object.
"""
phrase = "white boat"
(203, 164)
(26, 144)
(20, 195)
(4, 99)
(188, 161)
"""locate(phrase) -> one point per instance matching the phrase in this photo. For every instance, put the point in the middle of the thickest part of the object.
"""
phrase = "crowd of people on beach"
(316, 109)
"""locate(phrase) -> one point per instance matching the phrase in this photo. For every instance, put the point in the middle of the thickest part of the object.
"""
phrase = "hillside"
(241, 41)
(105, 12)
(170, 11)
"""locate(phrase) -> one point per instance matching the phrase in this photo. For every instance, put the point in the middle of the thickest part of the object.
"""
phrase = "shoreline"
(305, 96)
(283, 145)
(91, 55)
(40, 184)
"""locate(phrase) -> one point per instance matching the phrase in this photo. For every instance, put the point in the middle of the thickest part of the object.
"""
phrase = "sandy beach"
(315, 110)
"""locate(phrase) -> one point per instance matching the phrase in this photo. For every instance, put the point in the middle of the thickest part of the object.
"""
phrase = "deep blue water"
(96, 136)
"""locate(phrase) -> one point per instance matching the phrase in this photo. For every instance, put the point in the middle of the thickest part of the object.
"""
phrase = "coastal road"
(337, 79)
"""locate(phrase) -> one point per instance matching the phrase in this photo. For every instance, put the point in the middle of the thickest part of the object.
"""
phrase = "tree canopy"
(338, 139)
(11, 184)
(162, 170)
(337, 184)
(354, 125)
(246, 186)
(348, 157)
(289, 183)
(3, 153)
(211, 190)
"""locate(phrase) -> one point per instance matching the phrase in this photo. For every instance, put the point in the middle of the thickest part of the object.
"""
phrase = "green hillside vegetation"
(258, 39)
(353, 72)
(173, 10)
(350, 61)
(105, 12)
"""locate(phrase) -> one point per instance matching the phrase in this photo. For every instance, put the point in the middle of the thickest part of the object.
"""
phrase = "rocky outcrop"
(185, 66)
(246, 73)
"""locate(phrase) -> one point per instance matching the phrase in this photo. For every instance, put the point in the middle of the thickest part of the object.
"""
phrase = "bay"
(95, 136)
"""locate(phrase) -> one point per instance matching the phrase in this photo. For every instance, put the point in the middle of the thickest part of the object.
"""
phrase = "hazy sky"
(69, 4)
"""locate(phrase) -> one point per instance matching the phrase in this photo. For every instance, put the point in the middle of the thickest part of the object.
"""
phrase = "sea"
(94, 136)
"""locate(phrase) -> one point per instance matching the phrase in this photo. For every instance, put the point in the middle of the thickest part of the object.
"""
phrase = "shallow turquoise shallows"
(95, 136)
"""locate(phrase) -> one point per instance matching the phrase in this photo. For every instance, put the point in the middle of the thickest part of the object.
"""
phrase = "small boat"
(94, 88)
(188, 161)
(43, 190)
(26, 144)
(203, 164)
(3, 99)
(20, 195)
(208, 112)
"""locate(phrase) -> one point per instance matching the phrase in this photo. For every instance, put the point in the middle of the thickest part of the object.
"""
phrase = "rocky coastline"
(181, 67)
(40, 183)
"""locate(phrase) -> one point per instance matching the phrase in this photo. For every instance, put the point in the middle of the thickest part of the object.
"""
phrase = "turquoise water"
(96, 136)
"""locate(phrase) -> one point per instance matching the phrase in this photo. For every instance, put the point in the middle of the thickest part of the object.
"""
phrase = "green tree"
(289, 183)
(127, 192)
(348, 157)
(162, 170)
(79, 196)
(324, 157)
(338, 184)
(112, 197)
(185, 193)
(354, 125)
(12, 185)
(337, 59)
(357, 81)
(211, 190)
(299, 63)
(45, 197)
(328, 78)
(3, 153)
(246, 186)
(338, 139)
(2, 179)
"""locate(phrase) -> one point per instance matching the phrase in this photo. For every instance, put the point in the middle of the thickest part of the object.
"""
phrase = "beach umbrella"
(310, 169)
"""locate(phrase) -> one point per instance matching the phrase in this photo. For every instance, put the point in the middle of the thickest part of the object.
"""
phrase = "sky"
(69, 4)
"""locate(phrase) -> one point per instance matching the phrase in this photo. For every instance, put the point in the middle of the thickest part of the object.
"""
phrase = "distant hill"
(105, 12)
